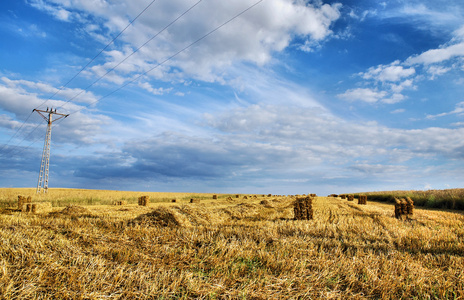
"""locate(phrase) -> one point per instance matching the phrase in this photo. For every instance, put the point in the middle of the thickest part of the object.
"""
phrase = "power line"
(77, 74)
(13, 148)
(156, 66)
(133, 52)
(17, 131)
(98, 54)
(172, 56)
(113, 68)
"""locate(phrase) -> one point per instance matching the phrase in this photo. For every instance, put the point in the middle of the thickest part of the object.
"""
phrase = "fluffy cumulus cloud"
(393, 72)
(253, 36)
(434, 56)
(363, 94)
(442, 59)
(387, 83)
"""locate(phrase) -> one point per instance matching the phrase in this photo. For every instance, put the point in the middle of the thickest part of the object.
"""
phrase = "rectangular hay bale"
(144, 200)
(303, 209)
(362, 199)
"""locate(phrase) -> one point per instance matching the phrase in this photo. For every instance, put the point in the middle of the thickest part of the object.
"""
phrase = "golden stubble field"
(229, 249)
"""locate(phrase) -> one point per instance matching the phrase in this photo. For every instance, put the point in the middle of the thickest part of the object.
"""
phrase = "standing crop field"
(231, 248)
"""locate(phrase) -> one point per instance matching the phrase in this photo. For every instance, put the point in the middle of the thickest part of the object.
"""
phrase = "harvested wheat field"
(231, 248)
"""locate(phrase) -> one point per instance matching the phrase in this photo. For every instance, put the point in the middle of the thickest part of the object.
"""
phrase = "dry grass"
(226, 249)
(64, 197)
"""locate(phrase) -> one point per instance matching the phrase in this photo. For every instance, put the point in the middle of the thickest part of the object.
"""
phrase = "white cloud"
(54, 10)
(432, 16)
(363, 94)
(253, 37)
(459, 110)
(78, 95)
(437, 55)
(155, 91)
(393, 72)
(436, 71)
(386, 83)
(361, 16)
(20, 97)
(398, 111)
(395, 98)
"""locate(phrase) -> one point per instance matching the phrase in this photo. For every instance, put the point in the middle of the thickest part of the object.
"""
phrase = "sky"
(244, 96)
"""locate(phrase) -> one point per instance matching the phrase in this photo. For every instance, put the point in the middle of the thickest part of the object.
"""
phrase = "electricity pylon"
(42, 184)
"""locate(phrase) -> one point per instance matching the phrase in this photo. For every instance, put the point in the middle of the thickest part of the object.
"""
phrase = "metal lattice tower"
(42, 184)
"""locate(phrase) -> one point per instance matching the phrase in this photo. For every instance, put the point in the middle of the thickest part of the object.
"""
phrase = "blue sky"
(289, 97)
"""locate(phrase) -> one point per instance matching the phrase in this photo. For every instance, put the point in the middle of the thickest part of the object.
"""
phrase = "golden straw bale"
(20, 201)
(343, 196)
(409, 206)
(194, 200)
(303, 209)
(404, 208)
(174, 200)
(214, 196)
(144, 200)
(398, 208)
(362, 199)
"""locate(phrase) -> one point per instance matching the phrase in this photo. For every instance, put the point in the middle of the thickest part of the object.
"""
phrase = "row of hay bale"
(403, 207)
(215, 197)
(121, 202)
(25, 204)
(362, 199)
(36, 207)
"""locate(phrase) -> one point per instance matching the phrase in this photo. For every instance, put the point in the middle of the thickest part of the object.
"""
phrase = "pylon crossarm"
(50, 112)
(40, 113)
(62, 116)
